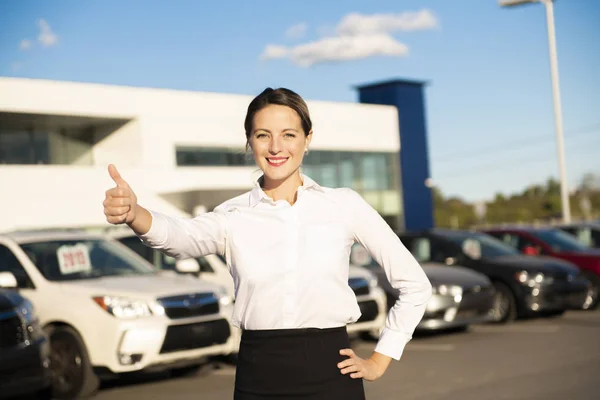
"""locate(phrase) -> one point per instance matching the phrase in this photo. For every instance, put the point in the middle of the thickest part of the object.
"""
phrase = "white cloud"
(356, 36)
(359, 24)
(273, 51)
(25, 44)
(46, 37)
(296, 31)
(336, 49)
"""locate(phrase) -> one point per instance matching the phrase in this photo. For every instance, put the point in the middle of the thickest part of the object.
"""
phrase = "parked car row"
(89, 307)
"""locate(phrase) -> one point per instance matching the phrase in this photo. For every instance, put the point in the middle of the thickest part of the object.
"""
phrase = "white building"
(182, 152)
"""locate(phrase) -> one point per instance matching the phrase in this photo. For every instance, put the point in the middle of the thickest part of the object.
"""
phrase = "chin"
(275, 174)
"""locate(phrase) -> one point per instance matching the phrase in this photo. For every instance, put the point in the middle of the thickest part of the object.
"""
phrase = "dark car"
(553, 242)
(587, 233)
(461, 296)
(524, 285)
(24, 348)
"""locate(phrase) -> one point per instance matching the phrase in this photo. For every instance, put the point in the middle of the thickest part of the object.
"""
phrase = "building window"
(212, 157)
(372, 174)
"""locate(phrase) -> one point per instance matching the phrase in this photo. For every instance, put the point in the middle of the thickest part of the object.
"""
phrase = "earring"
(306, 151)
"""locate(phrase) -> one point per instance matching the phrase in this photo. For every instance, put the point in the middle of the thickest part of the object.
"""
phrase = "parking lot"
(545, 358)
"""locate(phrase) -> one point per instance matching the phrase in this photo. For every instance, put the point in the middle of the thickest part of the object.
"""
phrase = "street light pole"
(564, 188)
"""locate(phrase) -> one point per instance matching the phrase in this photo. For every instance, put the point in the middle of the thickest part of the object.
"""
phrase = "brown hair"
(282, 97)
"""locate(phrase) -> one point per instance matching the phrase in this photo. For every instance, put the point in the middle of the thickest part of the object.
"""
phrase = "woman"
(287, 243)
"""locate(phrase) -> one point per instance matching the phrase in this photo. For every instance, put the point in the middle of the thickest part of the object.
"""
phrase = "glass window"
(559, 241)
(421, 249)
(485, 245)
(16, 148)
(10, 263)
(527, 246)
(369, 169)
(205, 265)
(66, 260)
(135, 244)
(346, 170)
(329, 169)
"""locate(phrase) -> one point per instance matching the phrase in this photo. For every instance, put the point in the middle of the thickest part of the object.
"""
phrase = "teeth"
(276, 161)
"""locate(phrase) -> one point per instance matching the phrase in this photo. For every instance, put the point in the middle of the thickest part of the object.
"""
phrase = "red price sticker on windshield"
(73, 259)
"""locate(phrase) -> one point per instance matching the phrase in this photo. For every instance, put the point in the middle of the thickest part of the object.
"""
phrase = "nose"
(274, 146)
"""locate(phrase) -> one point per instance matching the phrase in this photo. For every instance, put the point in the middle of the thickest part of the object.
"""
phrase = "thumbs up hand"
(120, 203)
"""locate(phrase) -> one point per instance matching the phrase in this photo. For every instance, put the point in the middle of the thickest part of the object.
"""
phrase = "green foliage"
(537, 203)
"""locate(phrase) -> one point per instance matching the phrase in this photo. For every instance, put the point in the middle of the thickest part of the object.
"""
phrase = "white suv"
(213, 268)
(108, 311)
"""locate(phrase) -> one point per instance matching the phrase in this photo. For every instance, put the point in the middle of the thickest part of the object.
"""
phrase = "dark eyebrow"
(268, 131)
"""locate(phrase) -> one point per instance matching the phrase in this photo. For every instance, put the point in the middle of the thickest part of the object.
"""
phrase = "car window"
(480, 245)
(511, 240)
(10, 263)
(524, 243)
(205, 265)
(559, 240)
(426, 249)
(66, 260)
(595, 238)
(135, 244)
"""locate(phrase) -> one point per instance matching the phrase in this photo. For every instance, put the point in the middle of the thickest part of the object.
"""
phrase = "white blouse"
(290, 263)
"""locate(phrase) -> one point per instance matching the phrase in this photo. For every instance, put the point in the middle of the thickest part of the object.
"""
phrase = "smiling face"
(278, 142)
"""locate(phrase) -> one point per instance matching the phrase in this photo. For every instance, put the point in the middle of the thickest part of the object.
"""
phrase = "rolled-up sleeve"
(187, 237)
(401, 268)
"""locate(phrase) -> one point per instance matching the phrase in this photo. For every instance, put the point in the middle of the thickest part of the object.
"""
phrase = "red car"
(556, 243)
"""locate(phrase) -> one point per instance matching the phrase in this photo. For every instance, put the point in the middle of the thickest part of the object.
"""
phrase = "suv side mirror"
(187, 266)
(531, 251)
(8, 280)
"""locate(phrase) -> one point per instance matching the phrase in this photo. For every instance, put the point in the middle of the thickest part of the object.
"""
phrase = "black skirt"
(294, 364)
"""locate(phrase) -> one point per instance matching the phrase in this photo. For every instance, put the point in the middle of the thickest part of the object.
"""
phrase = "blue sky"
(489, 104)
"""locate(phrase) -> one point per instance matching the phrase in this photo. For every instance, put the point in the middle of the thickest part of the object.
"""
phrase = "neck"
(285, 189)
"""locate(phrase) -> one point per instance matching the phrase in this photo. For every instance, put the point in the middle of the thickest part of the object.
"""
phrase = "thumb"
(114, 174)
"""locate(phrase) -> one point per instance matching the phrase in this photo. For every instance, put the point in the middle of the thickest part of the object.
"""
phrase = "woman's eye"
(260, 135)
(290, 135)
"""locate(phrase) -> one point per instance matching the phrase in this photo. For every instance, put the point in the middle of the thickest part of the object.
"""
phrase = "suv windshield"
(559, 240)
(67, 260)
(480, 245)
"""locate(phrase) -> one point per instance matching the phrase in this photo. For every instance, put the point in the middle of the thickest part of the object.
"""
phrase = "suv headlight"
(448, 290)
(123, 307)
(533, 279)
(224, 298)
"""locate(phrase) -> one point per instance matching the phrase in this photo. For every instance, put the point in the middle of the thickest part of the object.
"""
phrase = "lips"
(276, 162)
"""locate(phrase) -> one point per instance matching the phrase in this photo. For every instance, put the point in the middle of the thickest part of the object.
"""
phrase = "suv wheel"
(505, 305)
(72, 374)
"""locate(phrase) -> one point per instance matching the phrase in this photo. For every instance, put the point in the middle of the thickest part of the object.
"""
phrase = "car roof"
(436, 231)
(29, 236)
(586, 224)
(522, 229)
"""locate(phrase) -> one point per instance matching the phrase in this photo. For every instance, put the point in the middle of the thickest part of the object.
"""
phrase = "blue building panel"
(409, 98)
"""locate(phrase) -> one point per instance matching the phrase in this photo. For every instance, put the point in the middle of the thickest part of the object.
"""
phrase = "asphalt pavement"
(544, 358)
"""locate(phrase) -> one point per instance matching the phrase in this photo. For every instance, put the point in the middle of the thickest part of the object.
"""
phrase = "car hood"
(547, 265)
(144, 287)
(440, 274)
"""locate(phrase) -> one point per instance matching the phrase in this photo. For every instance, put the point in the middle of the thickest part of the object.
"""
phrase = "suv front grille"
(190, 305)
(360, 286)
(12, 331)
(195, 336)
